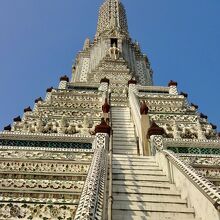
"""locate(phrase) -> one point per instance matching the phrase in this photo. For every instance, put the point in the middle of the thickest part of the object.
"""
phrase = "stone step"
(125, 152)
(141, 215)
(123, 128)
(119, 135)
(143, 190)
(140, 157)
(134, 168)
(151, 206)
(126, 148)
(123, 139)
(124, 125)
(121, 118)
(127, 110)
(128, 145)
(123, 111)
(116, 104)
(139, 166)
(148, 198)
(125, 160)
(122, 122)
(130, 161)
(123, 142)
(140, 177)
(133, 162)
(122, 114)
(120, 109)
(123, 131)
(144, 184)
(115, 109)
(137, 157)
(140, 172)
(124, 145)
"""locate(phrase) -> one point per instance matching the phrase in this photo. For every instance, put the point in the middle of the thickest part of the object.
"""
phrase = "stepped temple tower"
(109, 144)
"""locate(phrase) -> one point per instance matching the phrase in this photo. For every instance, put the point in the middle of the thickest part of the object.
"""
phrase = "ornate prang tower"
(108, 144)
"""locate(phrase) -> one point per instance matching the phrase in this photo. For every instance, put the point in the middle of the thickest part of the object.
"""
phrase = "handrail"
(137, 141)
(110, 197)
(92, 201)
(135, 112)
(208, 189)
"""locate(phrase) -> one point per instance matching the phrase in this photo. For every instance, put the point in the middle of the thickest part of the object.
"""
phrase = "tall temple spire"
(112, 16)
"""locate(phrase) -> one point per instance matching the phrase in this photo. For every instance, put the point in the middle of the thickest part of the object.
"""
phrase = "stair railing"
(199, 190)
(136, 118)
(110, 196)
(92, 204)
(137, 141)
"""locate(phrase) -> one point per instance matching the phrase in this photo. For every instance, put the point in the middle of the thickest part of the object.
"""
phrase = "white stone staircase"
(140, 188)
(124, 141)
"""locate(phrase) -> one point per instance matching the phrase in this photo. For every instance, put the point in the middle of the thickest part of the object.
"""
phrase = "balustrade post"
(145, 125)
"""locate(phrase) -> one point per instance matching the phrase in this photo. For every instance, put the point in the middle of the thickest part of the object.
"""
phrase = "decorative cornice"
(177, 142)
(46, 137)
(153, 88)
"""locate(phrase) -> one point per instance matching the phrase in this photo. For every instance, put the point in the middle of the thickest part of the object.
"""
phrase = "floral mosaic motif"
(27, 211)
(195, 160)
(191, 150)
(73, 186)
(46, 144)
(30, 199)
(41, 155)
(43, 167)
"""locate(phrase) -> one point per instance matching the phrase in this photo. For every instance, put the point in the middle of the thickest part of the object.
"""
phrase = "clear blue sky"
(40, 38)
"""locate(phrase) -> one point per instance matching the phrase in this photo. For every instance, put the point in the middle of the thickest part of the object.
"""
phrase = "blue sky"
(40, 38)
